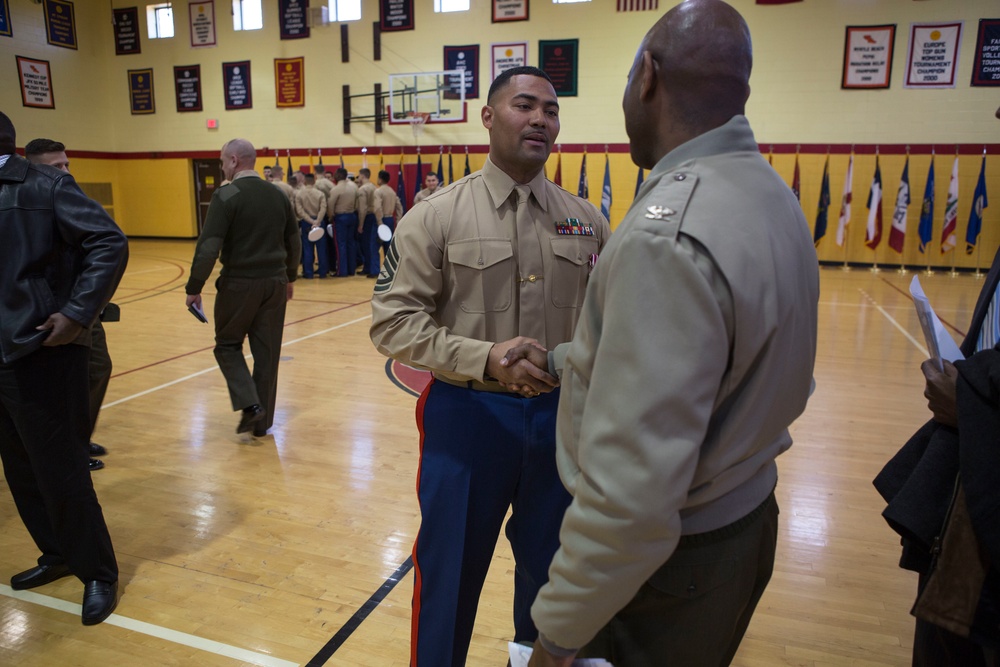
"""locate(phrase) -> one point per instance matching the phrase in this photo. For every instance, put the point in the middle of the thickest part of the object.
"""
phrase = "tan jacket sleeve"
(398, 210)
(407, 297)
(624, 523)
(362, 205)
(379, 206)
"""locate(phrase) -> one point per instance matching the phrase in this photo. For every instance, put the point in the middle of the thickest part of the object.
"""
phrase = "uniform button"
(679, 177)
(532, 278)
(480, 261)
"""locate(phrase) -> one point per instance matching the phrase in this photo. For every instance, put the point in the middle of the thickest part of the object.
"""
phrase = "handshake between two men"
(521, 366)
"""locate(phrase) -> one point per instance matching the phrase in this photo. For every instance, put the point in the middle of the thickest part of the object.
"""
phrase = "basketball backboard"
(440, 94)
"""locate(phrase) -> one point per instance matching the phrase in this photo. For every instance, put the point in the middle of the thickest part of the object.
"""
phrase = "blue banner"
(236, 85)
(5, 28)
(140, 91)
(464, 58)
(293, 18)
(60, 23)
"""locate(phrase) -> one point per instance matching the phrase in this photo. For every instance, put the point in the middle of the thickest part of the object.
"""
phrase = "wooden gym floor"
(270, 552)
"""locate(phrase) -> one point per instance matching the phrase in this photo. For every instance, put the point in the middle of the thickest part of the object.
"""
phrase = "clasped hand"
(521, 365)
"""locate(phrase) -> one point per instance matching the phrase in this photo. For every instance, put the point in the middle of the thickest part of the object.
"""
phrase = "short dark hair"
(506, 75)
(39, 146)
(320, 168)
(383, 176)
(365, 171)
(310, 178)
(340, 174)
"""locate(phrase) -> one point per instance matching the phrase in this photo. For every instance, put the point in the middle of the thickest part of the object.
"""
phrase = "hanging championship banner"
(60, 23)
(140, 91)
(236, 85)
(187, 87)
(293, 19)
(462, 58)
(932, 57)
(290, 82)
(986, 66)
(507, 56)
(36, 84)
(395, 15)
(510, 10)
(6, 29)
(868, 56)
(125, 22)
(558, 58)
(202, 18)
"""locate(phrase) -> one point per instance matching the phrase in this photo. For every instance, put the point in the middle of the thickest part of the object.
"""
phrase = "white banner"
(932, 57)
(202, 18)
(508, 56)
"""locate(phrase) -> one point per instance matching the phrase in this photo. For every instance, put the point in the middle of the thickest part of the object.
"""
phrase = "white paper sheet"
(940, 344)
(520, 655)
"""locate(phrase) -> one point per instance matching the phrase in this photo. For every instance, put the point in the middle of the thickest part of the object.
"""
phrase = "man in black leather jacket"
(60, 261)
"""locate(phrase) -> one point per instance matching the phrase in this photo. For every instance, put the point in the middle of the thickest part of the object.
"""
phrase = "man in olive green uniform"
(500, 257)
(251, 224)
(694, 354)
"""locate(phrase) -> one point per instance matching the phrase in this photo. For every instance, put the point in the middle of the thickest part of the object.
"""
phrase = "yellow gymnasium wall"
(796, 100)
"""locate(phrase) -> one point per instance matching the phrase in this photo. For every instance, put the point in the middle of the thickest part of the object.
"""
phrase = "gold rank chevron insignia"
(388, 273)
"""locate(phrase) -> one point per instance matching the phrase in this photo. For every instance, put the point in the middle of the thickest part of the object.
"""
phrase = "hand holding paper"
(940, 344)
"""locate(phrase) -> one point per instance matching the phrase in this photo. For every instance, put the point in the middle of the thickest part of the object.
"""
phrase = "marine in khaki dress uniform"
(500, 257)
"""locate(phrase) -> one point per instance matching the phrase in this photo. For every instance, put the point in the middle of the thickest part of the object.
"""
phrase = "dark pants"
(99, 372)
(480, 454)
(313, 251)
(346, 225)
(251, 308)
(391, 223)
(44, 431)
(695, 609)
(369, 245)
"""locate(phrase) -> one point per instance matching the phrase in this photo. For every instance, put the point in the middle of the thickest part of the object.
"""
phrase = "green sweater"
(250, 222)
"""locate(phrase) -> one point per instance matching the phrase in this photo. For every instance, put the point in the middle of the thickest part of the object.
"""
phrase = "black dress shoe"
(97, 450)
(259, 432)
(99, 599)
(251, 416)
(38, 576)
(95, 464)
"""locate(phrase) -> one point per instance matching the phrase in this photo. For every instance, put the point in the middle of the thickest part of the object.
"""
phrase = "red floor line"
(188, 354)
(943, 321)
(180, 274)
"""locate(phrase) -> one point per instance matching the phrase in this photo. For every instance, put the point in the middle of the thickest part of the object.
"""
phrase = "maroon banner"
(290, 82)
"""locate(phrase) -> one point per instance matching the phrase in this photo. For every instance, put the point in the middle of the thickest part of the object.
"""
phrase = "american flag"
(637, 5)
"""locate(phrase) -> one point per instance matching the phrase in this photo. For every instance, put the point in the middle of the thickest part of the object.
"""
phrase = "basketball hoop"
(417, 120)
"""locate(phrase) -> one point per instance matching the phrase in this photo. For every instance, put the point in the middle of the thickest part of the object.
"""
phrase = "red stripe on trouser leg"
(417, 578)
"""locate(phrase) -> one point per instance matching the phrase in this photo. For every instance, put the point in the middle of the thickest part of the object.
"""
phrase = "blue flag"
(926, 229)
(467, 170)
(606, 190)
(976, 214)
(583, 190)
(451, 172)
(420, 176)
(638, 183)
(824, 204)
(400, 185)
(440, 171)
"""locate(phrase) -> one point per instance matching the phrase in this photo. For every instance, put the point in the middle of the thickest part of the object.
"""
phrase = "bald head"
(704, 54)
(691, 74)
(237, 155)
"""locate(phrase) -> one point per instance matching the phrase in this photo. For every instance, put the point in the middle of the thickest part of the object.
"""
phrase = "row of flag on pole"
(583, 188)
(897, 231)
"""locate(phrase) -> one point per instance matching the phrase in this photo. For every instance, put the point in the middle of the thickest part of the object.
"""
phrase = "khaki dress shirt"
(387, 204)
(451, 285)
(343, 199)
(366, 200)
(310, 205)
